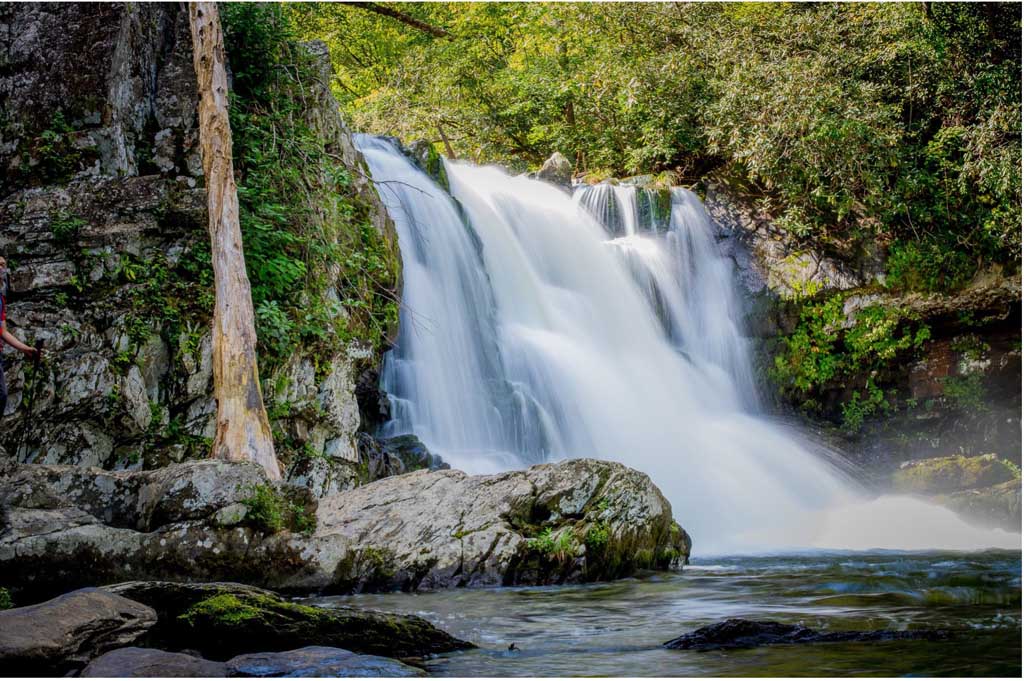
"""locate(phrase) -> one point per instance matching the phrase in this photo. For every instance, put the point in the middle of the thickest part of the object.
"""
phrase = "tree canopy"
(853, 121)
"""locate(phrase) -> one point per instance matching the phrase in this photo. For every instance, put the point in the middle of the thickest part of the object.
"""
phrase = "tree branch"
(386, 11)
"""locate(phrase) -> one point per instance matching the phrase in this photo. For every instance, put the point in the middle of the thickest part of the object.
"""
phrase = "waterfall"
(535, 327)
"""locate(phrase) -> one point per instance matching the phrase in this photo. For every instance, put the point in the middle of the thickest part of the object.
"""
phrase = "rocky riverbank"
(226, 629)
(579, 520)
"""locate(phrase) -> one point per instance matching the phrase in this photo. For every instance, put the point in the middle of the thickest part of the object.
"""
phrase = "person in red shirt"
(6, 337)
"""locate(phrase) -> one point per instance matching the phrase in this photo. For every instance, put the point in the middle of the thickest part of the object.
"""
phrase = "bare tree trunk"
(243, 430)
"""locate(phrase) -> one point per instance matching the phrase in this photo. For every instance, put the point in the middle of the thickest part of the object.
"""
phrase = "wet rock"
(943, 475)
(741, 633)
(68, 631)
(413, 454)
(996, 506)
(556, 170)
(149, 663)
(429, 161)
(318, 661)
(224, 619)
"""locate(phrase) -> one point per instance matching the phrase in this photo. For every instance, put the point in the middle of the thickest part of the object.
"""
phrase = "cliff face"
(103, 220)
(952, 390)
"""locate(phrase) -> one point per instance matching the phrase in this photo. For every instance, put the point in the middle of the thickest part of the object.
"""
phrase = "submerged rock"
(150, 663)
(741, 633)
(319, 662)
(67, 631)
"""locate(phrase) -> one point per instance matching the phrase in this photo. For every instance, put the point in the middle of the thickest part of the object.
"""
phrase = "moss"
(265, 512)
(953, 473)
(596, 539)
(225, 609)
(5, 599)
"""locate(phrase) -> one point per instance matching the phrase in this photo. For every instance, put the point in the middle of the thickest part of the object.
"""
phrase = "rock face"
(149, 663)
(556, 170)
(51, 637)
(67, 526)
(318, 662)
(740, 633)
(769, 260)
(102, 216)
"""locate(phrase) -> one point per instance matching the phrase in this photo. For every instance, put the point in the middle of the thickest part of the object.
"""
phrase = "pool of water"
(617, 628)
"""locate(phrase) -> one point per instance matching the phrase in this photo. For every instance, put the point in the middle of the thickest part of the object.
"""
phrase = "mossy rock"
(222, 620)
(948, 474)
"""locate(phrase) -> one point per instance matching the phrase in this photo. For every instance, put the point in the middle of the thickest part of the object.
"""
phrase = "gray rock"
(318, 661)
(149, 662)
(110, 88)
(68, 631)
(578, 520)
(767, 257)
(556, 170)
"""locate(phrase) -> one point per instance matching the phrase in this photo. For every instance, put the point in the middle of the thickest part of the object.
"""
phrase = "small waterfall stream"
(537, 326)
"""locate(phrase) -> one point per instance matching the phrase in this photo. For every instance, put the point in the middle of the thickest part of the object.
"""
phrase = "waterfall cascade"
(536, 326)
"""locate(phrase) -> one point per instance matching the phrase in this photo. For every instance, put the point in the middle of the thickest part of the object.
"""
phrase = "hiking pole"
(30, 402)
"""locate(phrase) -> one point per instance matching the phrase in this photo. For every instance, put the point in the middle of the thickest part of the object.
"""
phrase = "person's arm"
(14, 342)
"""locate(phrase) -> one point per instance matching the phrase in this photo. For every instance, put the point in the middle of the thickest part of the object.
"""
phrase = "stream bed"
(616, 628)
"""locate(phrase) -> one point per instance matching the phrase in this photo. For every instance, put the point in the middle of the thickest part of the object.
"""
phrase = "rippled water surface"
(615, 629)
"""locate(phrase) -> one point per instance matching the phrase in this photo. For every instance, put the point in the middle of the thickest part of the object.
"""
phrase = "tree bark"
(386, 11)
(243, 430)
(447, 144)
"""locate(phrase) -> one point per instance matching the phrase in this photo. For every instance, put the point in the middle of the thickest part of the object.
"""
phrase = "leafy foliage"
(300, 216)
(828, 351)
(857, 121)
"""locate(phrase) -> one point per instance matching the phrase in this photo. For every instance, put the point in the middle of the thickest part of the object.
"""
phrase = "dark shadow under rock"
(741, 633)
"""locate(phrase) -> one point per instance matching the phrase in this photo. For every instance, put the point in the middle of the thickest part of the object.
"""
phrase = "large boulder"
(318, 662)
(556, 170)
(67, 631)
(151, 663)
(224, 619)
(577, 520)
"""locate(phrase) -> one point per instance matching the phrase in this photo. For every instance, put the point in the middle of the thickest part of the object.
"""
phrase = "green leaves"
(830, 349)
(300, 217)
(859, 120)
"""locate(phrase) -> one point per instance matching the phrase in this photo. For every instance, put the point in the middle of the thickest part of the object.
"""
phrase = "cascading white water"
(528, 335)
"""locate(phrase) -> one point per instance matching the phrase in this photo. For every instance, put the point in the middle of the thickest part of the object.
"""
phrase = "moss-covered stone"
(223, 619)
(947, 474)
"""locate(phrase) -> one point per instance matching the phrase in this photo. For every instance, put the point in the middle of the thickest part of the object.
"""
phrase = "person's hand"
(34, 353)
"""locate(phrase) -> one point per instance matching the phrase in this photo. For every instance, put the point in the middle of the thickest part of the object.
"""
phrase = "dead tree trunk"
(243, 430)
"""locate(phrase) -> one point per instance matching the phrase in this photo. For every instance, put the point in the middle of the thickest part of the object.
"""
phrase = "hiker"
(6, 336)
